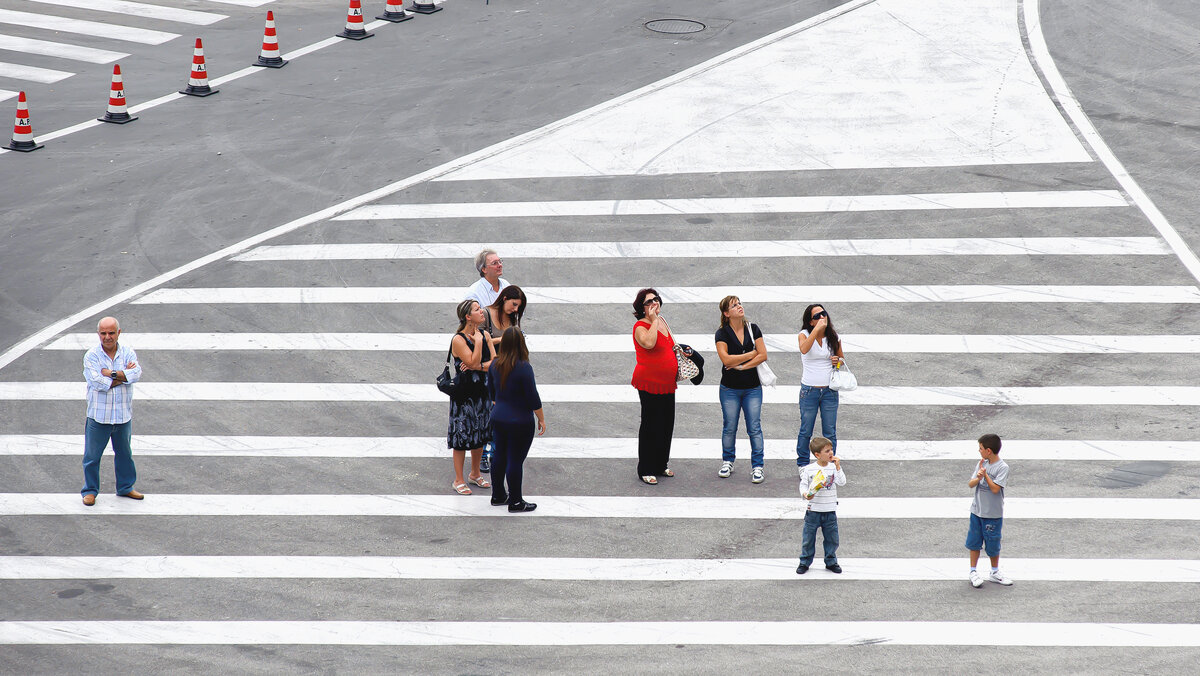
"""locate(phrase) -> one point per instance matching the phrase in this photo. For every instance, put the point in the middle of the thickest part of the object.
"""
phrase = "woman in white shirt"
(820, 352)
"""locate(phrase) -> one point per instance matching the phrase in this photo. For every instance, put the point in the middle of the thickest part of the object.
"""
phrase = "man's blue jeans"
(827, 522)
(813, 399)
(748, 403)
(95, 438)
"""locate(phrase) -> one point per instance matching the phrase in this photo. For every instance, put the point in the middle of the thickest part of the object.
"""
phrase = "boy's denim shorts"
(984, 532)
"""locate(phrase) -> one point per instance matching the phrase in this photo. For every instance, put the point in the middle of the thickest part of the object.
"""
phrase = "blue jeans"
(748, 403)
(827, 522)
(813, 399)
(95, 439)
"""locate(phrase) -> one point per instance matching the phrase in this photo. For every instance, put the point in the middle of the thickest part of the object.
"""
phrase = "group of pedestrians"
(743, 353)
(496, 402)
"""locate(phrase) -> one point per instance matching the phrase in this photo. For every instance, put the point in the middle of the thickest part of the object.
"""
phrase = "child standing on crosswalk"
(818, 487)
(987, 509)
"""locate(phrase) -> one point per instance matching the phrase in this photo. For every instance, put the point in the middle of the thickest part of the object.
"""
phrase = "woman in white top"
(820, 352)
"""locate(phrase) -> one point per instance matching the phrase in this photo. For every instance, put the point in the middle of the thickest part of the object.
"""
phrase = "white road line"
(790, 633)
(574, 295)
(59, 50)
(743, 205)
(589, 506)
(93, 28)
(599, 569)
(18, 71)
(982, 246)
(141, 9)
(879, 395)
(1041, 54)
(894, 343)
(6, 94)
(595, 448)
(243, 3)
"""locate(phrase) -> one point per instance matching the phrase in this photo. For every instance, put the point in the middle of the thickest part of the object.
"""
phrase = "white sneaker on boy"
(999, 578)
(976, 581)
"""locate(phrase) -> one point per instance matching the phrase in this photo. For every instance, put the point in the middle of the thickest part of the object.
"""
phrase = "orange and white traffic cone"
(421, 7)
(269, 56)
(394, 11)
(354, 23)
(198, 82)
(22, 139)
(116, 112)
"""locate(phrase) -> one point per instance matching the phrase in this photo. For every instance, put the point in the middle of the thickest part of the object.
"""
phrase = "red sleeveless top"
(656, 369)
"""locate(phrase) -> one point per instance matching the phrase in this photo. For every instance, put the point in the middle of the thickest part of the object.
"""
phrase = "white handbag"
(842, 379)
(766, 377)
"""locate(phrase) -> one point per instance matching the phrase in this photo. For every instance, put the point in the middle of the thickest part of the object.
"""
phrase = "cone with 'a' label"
(22, 138)
(354, 23)
(116, 113)
(394, 11)
(269, 56)
(198, 81)
(425, 7)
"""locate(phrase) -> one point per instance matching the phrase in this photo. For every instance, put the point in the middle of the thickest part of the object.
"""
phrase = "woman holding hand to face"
(654, 379)
(820, 352)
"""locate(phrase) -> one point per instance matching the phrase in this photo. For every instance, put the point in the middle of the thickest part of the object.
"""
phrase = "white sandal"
(650, 479)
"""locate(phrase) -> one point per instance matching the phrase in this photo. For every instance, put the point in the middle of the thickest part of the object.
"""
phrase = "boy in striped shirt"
(818, 486)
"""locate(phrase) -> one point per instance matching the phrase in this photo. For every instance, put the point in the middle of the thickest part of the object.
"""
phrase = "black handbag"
(448, 382)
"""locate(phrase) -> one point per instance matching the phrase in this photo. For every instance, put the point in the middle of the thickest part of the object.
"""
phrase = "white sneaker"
(976, 581)
(756, 477)
(999, 578)
(726, 470)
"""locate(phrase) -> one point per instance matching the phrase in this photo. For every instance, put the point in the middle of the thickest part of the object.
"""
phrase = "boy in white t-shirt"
(818, 487)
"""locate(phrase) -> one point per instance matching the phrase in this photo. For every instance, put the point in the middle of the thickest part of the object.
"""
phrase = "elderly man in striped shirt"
(110, 369)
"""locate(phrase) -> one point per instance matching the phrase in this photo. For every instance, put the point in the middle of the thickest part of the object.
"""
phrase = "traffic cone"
(354, 23)
(198, 82)
(116, 112)
(269, 56)
(22, 139)
(394, 11)
(425, 7)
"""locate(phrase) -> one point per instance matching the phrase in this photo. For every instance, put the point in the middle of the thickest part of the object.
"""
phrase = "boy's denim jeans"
(827, 522)
(813, 399)
(748, 403)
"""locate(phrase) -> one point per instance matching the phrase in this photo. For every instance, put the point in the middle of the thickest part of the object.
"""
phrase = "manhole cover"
(675, 26)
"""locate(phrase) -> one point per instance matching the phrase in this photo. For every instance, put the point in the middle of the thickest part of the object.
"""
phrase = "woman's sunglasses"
(652, 300)
(818, 315)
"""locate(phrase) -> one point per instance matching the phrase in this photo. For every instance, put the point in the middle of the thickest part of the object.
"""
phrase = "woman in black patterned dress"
(470, 423)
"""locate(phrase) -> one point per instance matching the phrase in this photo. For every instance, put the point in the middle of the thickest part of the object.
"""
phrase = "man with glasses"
(110, 369)
(486, 290)
(489, 265)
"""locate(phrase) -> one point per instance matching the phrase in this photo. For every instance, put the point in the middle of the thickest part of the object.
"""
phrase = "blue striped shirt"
(107, 403)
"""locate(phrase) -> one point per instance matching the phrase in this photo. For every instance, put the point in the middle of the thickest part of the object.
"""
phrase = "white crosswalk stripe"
(79, 26)
(593, 507)
(291, 457)
(974, 293)
(881, 395)
(59, 49)
(32, 73)
(1002, 246)
(597, 343)
(587, 448)
(787, 633)
(141, 9)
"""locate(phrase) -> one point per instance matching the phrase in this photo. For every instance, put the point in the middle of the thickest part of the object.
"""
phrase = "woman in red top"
(654, 378)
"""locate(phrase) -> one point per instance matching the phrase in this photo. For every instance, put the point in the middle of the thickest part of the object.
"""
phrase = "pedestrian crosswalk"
(41, 28)
(290, 439)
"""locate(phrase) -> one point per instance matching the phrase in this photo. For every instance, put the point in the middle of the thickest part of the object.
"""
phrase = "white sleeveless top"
(817, 367)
